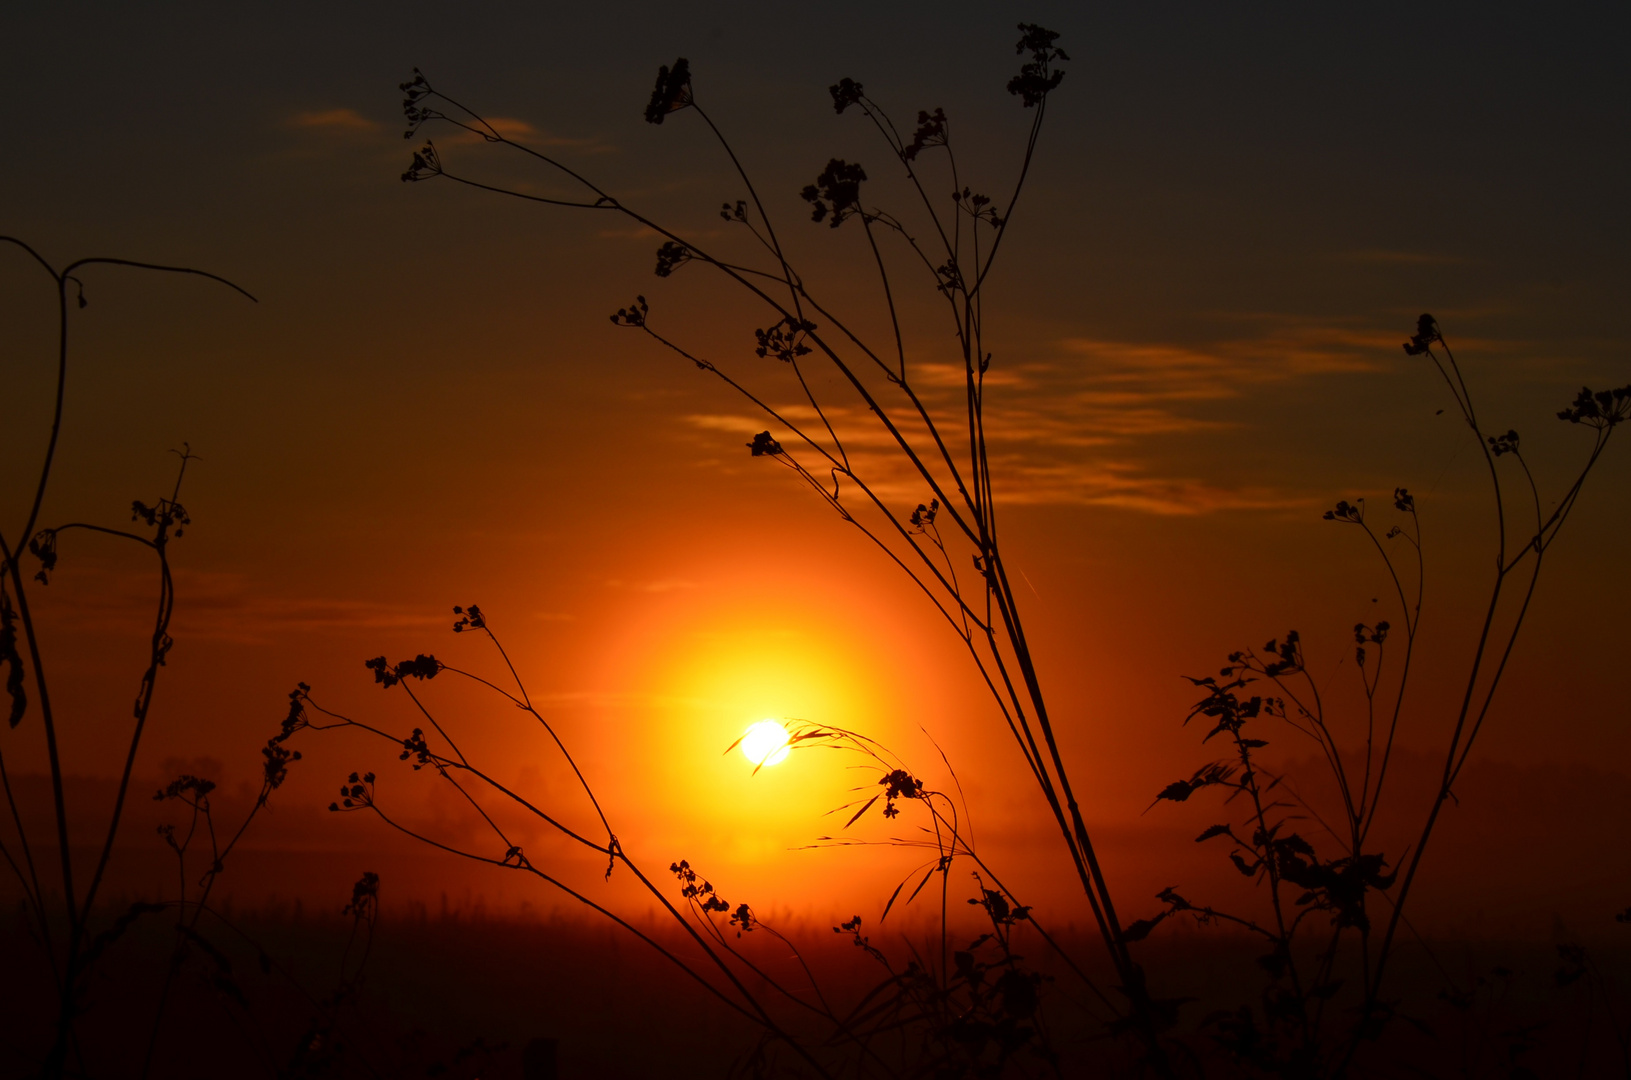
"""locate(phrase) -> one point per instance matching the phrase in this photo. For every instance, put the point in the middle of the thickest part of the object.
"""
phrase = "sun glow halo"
(766, 743)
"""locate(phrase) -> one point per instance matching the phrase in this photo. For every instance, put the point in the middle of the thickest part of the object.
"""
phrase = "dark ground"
(461, 996)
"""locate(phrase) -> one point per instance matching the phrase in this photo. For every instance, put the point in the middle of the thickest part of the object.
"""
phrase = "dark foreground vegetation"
(463, 996)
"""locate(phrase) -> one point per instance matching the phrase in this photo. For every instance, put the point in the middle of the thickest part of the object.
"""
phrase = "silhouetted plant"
(968, 1010)
(192, 900)
(323, 1047)
(974, 1017)
(74, 934)
(1595, 994)
(439, 753)
(948, 455)
(68, 934)
(1305, 1029)
(951, 251)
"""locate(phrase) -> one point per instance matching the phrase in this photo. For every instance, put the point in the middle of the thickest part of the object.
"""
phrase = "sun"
(766, 743)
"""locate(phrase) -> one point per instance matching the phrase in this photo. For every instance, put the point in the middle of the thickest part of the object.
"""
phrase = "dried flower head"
(1422, 340)
(185, 786)
(931, 131)
(836, 192)
(785, 340)
(672, 92)
(414, 93)
(634, 314)
(415, 746)
(426, 164)
(764, 446)
(845, 92)
(1037, 78)
(1602, 409)
(671, 256)
(357, 793)
(1504, 444)
(1353, 512)
(364, 896)
(388, 675)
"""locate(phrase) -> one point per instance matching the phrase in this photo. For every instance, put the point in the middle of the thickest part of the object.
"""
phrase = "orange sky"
(1196, 332)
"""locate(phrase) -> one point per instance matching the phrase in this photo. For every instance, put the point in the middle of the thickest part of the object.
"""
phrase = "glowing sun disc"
(766, 743)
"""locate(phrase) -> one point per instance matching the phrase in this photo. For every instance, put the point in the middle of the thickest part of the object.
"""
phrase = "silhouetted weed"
(971, 1010)
(62, 912)
(949, 250)
(1313, 1022)
(65, 915)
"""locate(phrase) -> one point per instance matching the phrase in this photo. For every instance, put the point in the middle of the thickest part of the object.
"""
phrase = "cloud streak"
(1091, 421)
(341, 120)
(219, 606)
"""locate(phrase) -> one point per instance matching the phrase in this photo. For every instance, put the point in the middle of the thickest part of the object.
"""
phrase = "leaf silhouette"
(892, 897)
(864, 808)
(1140, 930)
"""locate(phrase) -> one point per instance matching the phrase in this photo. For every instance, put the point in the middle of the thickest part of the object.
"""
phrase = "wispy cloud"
(1154, 371)
(231, 607)
(1039, 459)
(953, 375)
(518, 130)
(1091, 421)
(341, 120)
(221, 606)
(1131, 486)
(512, 128)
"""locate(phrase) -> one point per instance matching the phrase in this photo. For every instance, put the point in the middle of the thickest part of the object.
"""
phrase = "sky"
(1233, 221)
